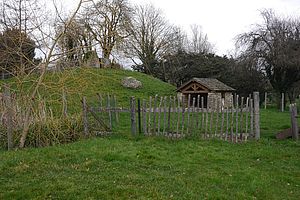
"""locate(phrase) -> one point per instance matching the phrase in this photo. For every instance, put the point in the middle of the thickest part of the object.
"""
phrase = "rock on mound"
(130, 82)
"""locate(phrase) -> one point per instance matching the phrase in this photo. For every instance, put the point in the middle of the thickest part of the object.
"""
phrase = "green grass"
(155, 168)
(118, 168)
(122, 167)
(88, 82)
(273, 121)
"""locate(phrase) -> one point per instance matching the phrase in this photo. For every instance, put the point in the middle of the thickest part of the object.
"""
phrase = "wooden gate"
(100, 119)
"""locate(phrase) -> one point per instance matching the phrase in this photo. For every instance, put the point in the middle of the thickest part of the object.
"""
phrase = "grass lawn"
(122, 167)
(155, 168)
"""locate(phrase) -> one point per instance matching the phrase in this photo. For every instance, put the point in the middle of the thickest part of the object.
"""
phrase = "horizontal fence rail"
(176, 117)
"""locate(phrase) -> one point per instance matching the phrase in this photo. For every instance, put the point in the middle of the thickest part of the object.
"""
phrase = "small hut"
(211, 90)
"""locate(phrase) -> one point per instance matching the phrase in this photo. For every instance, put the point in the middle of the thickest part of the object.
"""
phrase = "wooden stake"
(256, 115)
(197, 112)
(295, 129)
(251, 119)
(188, 114)
(109, 111)
(192, 117)
(202, 113)
(9, 117)
(85, 117)
(100, 100)
(132, 114)
(159, 114)
(242, 118)
(169, 115)
(211, 119)
(227, 124)
(237, 117)
(144, 117)
(115, 107)
(178, 115)
(222, 122)
(282, 102)
(217, 120)
(154, 114)
(206, 122)
(150, 112)
(247, 117)
(183, 110)
(231, 123)
(266, 97)
(165, 115)
(139, 116)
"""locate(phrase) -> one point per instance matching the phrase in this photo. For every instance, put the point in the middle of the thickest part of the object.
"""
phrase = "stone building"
(211, 90)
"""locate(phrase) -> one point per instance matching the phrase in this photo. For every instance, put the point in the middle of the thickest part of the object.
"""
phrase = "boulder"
(130, 82)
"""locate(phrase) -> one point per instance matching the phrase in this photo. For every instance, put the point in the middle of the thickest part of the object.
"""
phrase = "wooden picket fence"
(175, 117)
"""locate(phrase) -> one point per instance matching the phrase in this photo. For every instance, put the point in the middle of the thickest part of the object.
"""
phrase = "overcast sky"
(221, 20)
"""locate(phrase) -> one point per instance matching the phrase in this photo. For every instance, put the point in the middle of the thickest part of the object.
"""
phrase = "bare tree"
(18, 14)
(16, 24)
(275, 48)
(199, 41)
(76, 43)
(106, 20)
(49, 56)
(16, 53)
(151, 37)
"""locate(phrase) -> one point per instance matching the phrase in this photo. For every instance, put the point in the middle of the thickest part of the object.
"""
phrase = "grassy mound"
(49, 125)
(87, 82)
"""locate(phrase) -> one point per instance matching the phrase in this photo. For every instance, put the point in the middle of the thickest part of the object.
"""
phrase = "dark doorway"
(201, 96)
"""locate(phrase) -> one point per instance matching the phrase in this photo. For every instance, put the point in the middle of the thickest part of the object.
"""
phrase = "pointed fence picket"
(176, 118)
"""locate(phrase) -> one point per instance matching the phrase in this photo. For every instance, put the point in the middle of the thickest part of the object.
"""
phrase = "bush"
(48, 132)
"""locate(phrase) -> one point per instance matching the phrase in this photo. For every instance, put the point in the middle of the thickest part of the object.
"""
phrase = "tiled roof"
(210, 83)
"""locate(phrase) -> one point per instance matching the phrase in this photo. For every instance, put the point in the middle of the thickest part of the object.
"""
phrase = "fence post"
(139, 116)
(109, 111)
(154, 114)
(282, 102)
(144, 117)
(132, 114)
(266, 97)
(295, 129)
(256, 115)
(85, 117)
(9, 125)
(116, 109)
(149, 119)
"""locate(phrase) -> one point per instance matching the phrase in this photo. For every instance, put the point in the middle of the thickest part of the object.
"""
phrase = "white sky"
(221, 20)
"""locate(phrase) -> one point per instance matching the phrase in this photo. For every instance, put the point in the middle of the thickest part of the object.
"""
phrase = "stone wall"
(228, 100)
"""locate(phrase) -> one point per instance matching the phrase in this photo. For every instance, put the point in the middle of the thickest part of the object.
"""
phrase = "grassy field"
(124, 169)
(118, 167)
(121, 167)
